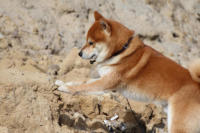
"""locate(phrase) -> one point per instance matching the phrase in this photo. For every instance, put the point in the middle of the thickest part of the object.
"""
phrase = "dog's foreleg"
(106, 82)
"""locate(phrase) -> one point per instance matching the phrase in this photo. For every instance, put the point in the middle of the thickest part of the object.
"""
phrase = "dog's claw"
(66, 87)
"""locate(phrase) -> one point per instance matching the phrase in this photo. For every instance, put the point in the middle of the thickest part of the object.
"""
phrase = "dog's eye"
(91, 43)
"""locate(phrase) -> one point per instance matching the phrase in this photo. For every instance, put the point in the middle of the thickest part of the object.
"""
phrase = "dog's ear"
(97, 16)
(103, 22)
(106, 27)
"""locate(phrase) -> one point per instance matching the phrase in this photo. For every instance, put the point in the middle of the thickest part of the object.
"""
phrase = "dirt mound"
(31, 103)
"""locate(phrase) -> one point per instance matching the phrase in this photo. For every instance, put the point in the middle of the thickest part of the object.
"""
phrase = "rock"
(53, 69)
(66, 120)
(1, 36)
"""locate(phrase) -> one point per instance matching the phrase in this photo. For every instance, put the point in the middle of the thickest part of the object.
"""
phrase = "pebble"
(114, 117)
(1, 36)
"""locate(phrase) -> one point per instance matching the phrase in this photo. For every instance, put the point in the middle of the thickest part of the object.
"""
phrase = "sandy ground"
(37, 47)
(30, 101)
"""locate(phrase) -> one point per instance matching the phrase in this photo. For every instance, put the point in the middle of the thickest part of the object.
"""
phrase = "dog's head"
(103, 39)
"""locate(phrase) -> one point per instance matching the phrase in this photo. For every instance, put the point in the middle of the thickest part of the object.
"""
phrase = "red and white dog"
(139, 72)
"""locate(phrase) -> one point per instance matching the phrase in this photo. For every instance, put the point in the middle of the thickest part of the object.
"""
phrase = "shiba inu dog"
(139, 72)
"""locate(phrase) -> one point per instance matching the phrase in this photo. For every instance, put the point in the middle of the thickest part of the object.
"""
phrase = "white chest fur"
(103, 70)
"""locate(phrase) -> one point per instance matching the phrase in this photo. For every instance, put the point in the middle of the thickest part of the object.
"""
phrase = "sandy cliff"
(37, 40)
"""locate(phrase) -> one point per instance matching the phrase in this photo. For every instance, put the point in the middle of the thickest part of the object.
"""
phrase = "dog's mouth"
(93, 59)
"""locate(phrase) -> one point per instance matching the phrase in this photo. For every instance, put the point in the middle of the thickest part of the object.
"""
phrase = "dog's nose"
(80, 53)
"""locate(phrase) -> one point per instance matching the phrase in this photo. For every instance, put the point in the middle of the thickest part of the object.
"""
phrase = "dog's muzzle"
(92, 58)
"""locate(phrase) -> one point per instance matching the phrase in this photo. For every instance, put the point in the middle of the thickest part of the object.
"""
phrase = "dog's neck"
(123, 48)
(132, 46)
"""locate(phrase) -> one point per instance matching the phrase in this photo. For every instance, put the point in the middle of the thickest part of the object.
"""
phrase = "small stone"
(35, 88)
(53, 69)
(114, 117)
(1, 36)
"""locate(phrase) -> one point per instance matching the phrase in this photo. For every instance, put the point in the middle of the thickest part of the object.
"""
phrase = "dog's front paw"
(70, 83)
(65, 87)
(62, 86)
